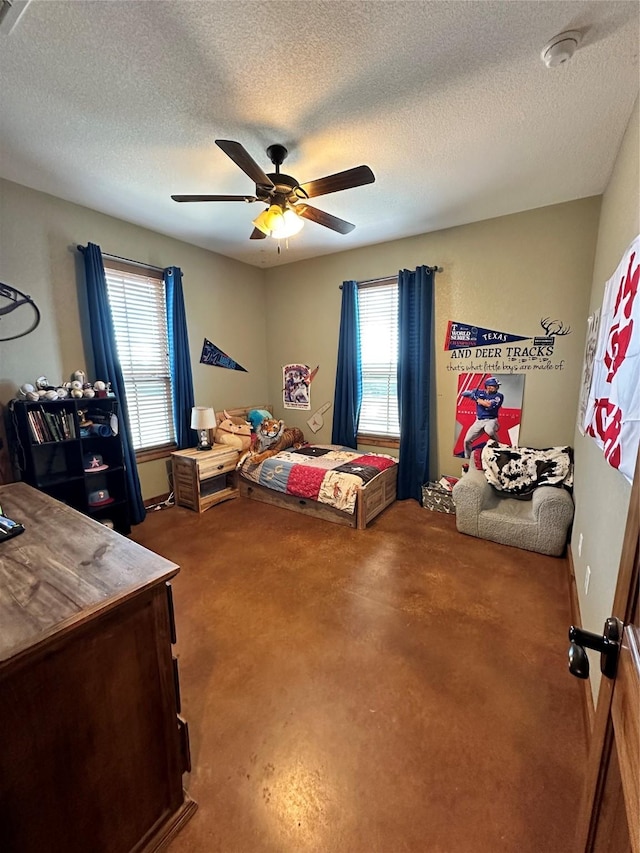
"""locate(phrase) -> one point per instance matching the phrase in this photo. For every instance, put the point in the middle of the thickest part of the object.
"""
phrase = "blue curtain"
(107, 366)
(415, 312)
(348, 393)
(179, 359)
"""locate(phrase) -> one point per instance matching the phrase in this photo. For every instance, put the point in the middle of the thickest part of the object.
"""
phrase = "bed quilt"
(326, 473)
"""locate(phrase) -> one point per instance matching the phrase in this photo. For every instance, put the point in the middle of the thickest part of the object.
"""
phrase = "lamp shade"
(287, 225)
(278, 223)
(202, 417)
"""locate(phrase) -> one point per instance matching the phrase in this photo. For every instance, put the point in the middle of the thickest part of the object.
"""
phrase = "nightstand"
(203, 478)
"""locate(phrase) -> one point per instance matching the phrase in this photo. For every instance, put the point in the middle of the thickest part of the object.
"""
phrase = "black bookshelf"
(51, 445)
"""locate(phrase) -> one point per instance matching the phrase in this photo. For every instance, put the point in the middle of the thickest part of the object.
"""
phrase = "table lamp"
(203, 419)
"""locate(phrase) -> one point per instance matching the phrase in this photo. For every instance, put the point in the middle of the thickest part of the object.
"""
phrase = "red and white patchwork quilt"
(326, 473)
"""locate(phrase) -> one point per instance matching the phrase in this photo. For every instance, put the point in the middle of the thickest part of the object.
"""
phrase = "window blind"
(138, 307)
(378, 320)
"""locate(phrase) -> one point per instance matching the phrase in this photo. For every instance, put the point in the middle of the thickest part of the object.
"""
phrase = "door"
(609, 819)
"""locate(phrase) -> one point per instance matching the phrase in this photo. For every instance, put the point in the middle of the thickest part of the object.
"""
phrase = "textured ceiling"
(116, 106)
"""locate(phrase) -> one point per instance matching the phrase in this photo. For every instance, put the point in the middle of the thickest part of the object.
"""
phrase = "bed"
(330, 482)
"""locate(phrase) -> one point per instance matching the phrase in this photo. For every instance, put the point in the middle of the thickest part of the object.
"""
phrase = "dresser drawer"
(218, 463)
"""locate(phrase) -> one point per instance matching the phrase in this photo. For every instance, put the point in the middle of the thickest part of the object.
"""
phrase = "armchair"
(540, 524)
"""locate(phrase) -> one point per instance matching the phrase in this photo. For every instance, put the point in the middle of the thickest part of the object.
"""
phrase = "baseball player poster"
(296, 386)
(487, 406)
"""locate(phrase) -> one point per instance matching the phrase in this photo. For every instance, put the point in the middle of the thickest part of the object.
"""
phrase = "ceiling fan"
(285, 197)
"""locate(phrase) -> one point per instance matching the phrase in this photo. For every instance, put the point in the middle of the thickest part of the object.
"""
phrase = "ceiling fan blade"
(245, 161)
(322, 218)
(257, 234)
(248, 198)
(340, 181)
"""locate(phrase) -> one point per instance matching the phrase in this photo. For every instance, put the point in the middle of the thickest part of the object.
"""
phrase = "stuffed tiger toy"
(271, 437)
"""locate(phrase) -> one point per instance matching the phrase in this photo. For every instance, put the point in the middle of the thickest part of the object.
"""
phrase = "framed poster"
(296, 386)
(487, 406)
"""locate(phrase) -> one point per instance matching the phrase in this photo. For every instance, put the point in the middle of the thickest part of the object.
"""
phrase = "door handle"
(608, 644)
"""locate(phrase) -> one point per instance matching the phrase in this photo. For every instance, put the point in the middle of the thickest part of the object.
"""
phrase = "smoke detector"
(561, 48)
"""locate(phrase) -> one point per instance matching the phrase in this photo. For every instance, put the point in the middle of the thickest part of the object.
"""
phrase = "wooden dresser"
(92, 748)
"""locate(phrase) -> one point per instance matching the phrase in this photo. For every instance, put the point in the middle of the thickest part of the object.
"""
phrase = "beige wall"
(602, 494)
(504, 274)
(224, 301)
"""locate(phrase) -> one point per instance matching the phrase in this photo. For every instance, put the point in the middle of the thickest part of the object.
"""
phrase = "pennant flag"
(462, 335)
(211, 354)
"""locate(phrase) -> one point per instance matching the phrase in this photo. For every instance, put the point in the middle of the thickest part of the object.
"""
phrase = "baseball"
(76, 385)
(100, 385)
(27, 388)
(88, 392)
(76, 392)
(51, 395)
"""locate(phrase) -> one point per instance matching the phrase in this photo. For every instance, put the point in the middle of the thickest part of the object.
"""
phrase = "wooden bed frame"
(371, 499)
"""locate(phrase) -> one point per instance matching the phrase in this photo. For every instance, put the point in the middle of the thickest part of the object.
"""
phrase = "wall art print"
(316, 421)
(590, 345)
(613, 409)
(474, 349)
(485, 410)
(296, 386)
(19, 314)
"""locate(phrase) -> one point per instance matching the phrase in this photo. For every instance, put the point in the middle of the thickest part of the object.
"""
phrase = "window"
(138, 307)
(378, 313)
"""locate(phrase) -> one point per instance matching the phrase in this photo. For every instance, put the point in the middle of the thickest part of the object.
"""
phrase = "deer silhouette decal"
(554, 329)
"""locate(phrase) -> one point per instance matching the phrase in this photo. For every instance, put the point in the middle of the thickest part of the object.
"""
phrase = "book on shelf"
(49, 427)
(34, 427)
(64, 423)
(52, 426)
(71, 424)
(41, 416)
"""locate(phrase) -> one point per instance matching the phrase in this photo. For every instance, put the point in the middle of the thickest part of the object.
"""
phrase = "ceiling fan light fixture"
(286, 198)
(278, 223)
(288, 225)
(261, 220)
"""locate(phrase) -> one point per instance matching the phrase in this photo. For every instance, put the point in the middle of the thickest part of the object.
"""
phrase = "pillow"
(256, 416)
(234, 431)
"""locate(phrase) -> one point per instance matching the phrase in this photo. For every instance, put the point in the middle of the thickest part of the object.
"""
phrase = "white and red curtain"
(613, 411)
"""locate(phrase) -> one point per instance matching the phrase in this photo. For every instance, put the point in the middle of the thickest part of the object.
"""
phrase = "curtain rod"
(391, 277)
(134, 263)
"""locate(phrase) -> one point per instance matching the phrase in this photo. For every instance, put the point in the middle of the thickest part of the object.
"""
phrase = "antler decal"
(554, 328)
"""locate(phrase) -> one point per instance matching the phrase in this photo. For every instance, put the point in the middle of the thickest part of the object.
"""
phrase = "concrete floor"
(403, 688)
